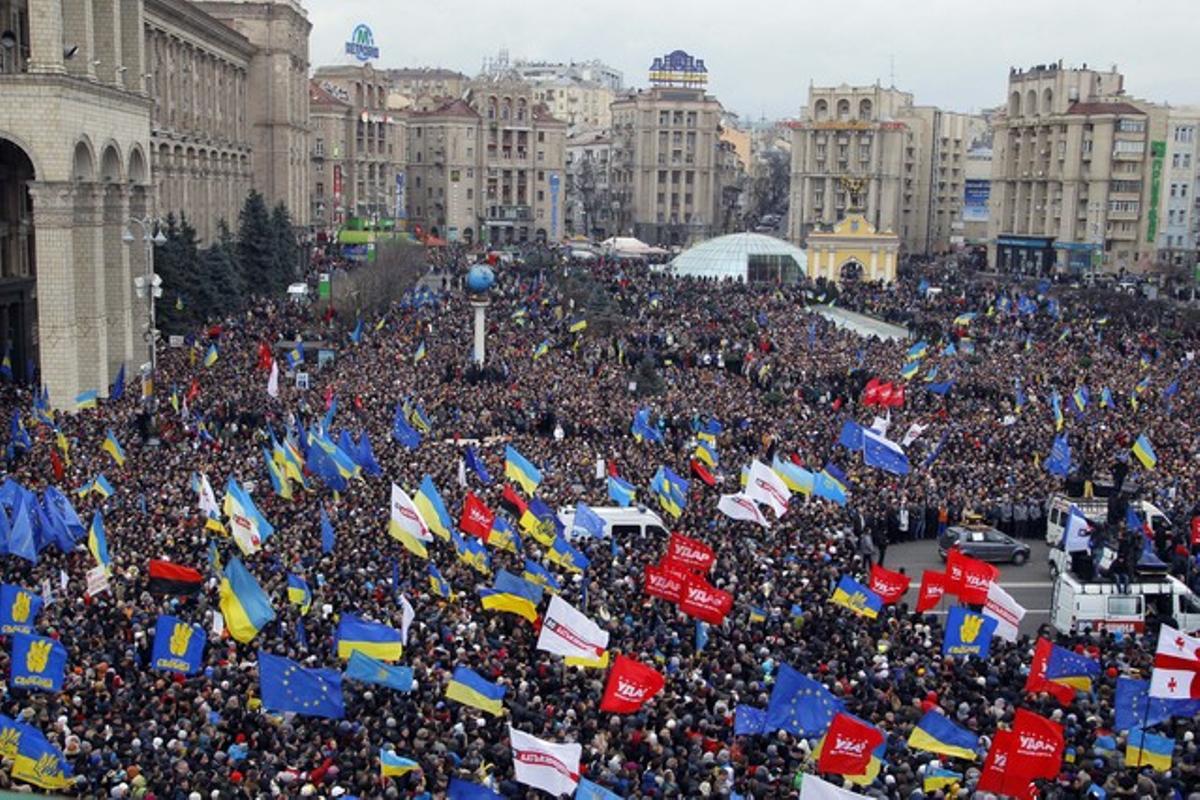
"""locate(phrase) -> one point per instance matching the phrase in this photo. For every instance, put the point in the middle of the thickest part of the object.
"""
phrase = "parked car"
(983, 542)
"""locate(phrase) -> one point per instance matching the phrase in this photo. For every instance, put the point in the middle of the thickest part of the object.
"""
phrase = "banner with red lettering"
(705, 602)
(630, 685)
(476, 518)
(870, 394)
(969, 578)
(848, 745)
(1040, 746)
(664, 581)
(933, 588)
(889, 585)
(690, 553)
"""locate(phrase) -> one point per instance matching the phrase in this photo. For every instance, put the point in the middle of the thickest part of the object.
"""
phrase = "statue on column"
(854, 187)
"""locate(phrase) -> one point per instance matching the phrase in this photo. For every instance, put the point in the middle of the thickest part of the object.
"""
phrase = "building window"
(319, 148)
(1184, 134)
(320, 189)
(541, 136)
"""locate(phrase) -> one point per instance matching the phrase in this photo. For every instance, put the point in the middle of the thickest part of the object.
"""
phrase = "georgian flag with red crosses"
(1176, 672)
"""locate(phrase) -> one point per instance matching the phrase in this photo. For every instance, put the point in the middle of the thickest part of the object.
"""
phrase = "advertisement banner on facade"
(400, 198)
(554, 187)
(1158, 153)
(337, 192)
(976, 192)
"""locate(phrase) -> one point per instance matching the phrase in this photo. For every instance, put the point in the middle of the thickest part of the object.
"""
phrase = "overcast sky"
(762, 54)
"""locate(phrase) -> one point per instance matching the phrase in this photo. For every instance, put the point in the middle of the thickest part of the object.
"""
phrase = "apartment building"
(1179, 239)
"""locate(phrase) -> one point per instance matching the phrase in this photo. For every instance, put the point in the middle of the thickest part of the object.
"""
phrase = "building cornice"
(180, 16)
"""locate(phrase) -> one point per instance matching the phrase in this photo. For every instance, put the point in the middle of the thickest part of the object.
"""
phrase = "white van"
(1077, 607)
(631, 524)
(1095, 509)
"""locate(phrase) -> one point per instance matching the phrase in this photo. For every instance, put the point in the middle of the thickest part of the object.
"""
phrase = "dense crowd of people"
(779, 380)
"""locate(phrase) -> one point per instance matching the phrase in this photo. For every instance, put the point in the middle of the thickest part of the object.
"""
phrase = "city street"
(1029, 584)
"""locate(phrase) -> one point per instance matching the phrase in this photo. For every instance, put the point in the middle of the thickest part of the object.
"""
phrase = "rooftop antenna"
(892, 69)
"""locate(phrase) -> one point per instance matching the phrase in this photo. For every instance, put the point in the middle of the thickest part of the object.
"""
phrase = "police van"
(1078, 607)
(632, 524)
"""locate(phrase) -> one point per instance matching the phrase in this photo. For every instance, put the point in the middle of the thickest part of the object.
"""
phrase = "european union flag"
(465, 790)
(118, 387)
(404, 433)
(749, 721)
(364, 669)
(642, 429)
(1134, 708)
(286, 686)
(941, 388)
(851, 436)
(800, 705)
(587, 522)
(37, 663)
(592, 791)
(178, 646)
(1071, 669)
(882, 453)
(327, 535)
(1059, 461)
(476, 466)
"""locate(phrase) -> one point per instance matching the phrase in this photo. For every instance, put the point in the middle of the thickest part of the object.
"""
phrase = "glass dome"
(742, 257)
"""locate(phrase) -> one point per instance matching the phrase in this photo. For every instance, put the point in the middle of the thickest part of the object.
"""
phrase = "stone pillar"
(133, 45)
(118, 282)
(91, 325)
(54, 218)
(480, 349)
(79, 31)
(874, 266)
(46, 36)
(106, 26)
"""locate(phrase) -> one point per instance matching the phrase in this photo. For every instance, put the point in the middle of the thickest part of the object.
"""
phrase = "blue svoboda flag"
(37, 663)
(178, 646)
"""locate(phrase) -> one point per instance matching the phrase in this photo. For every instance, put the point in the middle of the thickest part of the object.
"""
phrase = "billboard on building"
(401, 214)
(976, 192)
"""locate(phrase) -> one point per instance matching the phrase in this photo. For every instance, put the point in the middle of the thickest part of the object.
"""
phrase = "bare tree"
(769, 189)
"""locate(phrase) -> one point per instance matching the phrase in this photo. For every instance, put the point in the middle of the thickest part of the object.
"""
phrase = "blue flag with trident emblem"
(37, 663)
(178, 646)
(968, 633)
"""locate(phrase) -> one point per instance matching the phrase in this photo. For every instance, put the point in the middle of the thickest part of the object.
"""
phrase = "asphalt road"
(1029, 584)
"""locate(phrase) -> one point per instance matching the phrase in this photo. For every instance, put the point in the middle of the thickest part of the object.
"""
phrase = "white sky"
(762, 54)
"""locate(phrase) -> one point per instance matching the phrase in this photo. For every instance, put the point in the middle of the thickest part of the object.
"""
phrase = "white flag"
(763, 485)
(881, 424)
(549, 766)
(738, 506)
(206, 497)
(244, 533)
(1007, 612)
(406, 518)
(1075, 537)
(813, 788)
(1176, 665)
(568, 632)
(914, 430)
(273, 381)
(462, 473)
(407, 615)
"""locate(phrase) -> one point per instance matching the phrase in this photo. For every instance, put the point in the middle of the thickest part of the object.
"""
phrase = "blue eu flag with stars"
(287, 686)
(800, 705)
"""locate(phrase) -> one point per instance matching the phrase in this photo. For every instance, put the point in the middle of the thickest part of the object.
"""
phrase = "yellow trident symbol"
(9, 737)
(969, 629)
(180, 637)
(38, 655)
(20, 609)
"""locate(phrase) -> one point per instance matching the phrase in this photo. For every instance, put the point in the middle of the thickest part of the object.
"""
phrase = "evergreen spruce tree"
(256, 244)
(287, 249)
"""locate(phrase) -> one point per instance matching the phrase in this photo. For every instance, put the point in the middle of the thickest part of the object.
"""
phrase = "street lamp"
(148, 285)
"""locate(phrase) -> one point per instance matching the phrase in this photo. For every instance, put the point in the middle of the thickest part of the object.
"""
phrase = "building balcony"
(507, 213)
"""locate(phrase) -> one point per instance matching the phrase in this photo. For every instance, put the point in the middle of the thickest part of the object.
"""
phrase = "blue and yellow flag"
(935, 733)
(298, 593)
(918, 350)
(470, 689)
(19, 609)
(1149, 750)
(210, 357)
(364, 669)
(577, 325)
(968, 633)
(280, 483)
(938, 778)
(39, 762)
(356, 334)
(178, 646)
(1145, 452)
(567, 556)
(246, 607)
(286, 686)
(98, 543)
(512, 594)
(439, 585)
(37, 663)
(541, 349)
(420, 353)
(706, 453)
(620, 491)
(1056, 406)
(472, 553)
(858, 598)
(1069, 668)
(371, 638)
(536, 573)
(113, 448)
(671, 491)
(394, 766)
(518, 468)
(432, 509)
(86, 399)
(796, 478)
(910, 370)
(504, 537)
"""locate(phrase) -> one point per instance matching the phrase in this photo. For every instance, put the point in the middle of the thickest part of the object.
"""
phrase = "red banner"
(702, 473)
(690, 553)
(1036, 682)
(630, 685)
(933, 587)
(476, 518)
(997, 775)
(870, 396)
(848, 746)
(664, 582)
(705, 602)
(889, 585)
(969, 578)
(1040, 746)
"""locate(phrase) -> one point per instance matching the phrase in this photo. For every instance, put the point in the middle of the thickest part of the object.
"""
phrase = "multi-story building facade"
(911, 160)
(413, 83)
(491, 166)
(197, 74)
(589, 202)
(1076, 173)
(1179, 239)
(665, 154)
(277, 96)
(368, 172)
(579, 93)
(333, 123)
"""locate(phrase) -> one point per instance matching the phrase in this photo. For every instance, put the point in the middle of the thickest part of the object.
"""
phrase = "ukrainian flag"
(795, 478)
(97, 543)
(513, 595)
(1068, 668)
(910, 370)
(372, 639)
(1145, 452)
(918, 350)
(517, 467)
(1148, 750)
(565, 555)
(85, 400)
(432, 509)
(536, 573)
(503, 537)
(419, 420)
(99, 485)
(439, 585)
(471, 553)
(706, 453)
(394, 766)
(210, 357)
(578, 325)
(1056, 405)
(299, 593)
(587, 663)
(757, 614)
(963, 320)
(1080, 396)
(420, 353)
(468, 688)
(279, 481)
(620, 491)
(113, 448)
(937, 778)
(858, 598)
(246, 607)
(935, 733)
(541, 349)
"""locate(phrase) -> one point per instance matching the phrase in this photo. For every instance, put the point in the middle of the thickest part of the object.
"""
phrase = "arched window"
(1014, 105)
(821, 110)
(864, 109)
(843, 110)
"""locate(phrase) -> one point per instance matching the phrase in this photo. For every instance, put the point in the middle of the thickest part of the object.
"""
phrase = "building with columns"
(852, 251)
(198, 77)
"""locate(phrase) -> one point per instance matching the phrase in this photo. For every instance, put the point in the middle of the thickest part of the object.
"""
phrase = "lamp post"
(148, 285)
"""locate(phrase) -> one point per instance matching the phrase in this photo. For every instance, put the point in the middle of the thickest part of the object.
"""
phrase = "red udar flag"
(889, 585)
(870, 394)
(848, 746)
(690, 553)
(1036, 682)
(630, 684)
(1040, 746)
(702, 601)
(969, 578)
(998, 776)
(664, 581)
(476, 518)
(933, 587)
